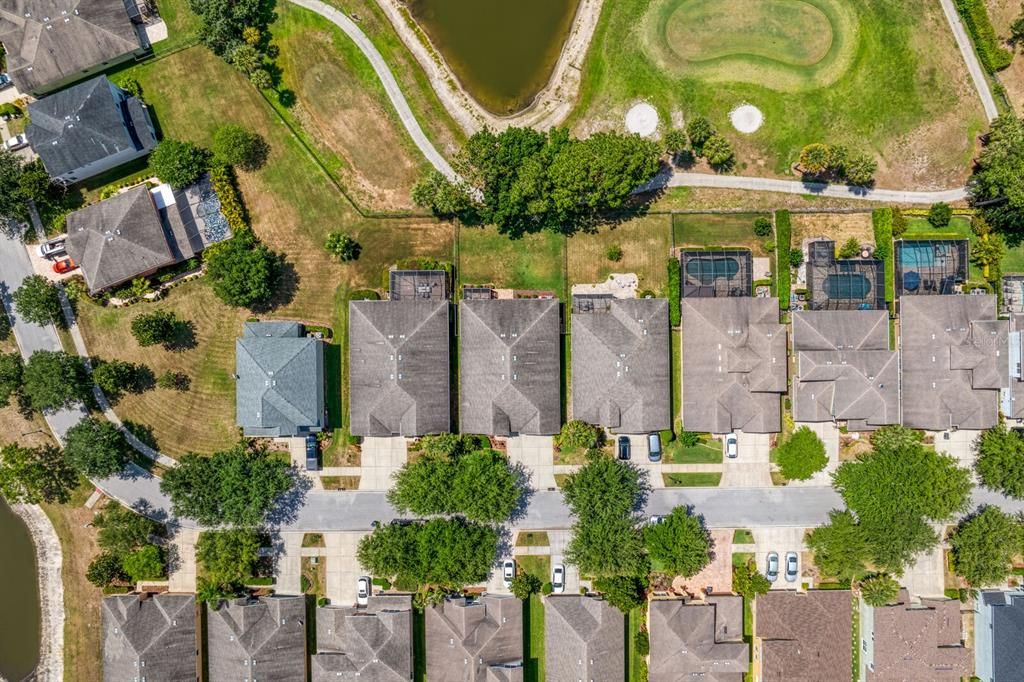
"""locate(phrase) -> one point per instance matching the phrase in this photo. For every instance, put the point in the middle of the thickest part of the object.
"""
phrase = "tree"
(802, 456)
(879, 589)
(117, 376)
(96, 448)
(623, 592)
(442, 196)
(246, 58)
(718, 151)
(899, 222)
(105, 569)
(602, 487)
(145, 563)
(796, 257)
(1000, 462)
(940, 214)
(261, 79)
(997, 186)
(525, 584)
(678, 544)
(228, 556)
(614, 253)
(242, 271)
(578, 435)
(240, 147)
(121, 531)
(762, 227)
(159, 326)
(675, 141)
(984, 544)
(850, 248)
(607, 545)
(11, 369)
(12, 203)
(342, 246)
(238, 486)
(815, 159)
(178, 163)
(748, 582)
(175, 381)
(841, 547)
(37, 300)
(34, 475)
(224, 22)
(699, 130)
(53, 380)
(859, 169)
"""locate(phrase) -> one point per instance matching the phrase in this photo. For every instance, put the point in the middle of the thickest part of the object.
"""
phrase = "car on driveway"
(363, 590)
(508, 572)
(654, 447)
(655, 519)
(5, 81)
(623, 447)
(52, 248)
(791, 567)
(558, 579)
(771, 570)
(64, 265)
(732, 446)
(16, 142)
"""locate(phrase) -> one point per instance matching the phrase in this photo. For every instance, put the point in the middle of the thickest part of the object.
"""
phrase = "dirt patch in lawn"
(646, 243)
(838, 227)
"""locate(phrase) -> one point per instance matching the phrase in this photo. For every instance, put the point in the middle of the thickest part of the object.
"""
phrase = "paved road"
(387, 79)
(970, 58)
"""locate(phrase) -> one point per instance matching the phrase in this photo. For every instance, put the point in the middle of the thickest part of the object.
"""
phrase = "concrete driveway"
(958, 444)
(927, 578)
(381, 457)
(782, 541)
(343, 567)
(536, 453)
(750, 468)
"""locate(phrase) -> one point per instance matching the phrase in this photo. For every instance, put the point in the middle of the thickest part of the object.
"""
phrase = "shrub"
(675, 141)
(993, 55)
(178, 163)
(689, 439)
(159, 326)
(176, 381)
(850, 248)
(699, 130)
(614, 253)
(342, 246)
(674, 294)
(762, 227)
(146, 563)
(796, 258)
(547, 588)
(578, 435)
(524, 584)
(623, 592)
(882, 222)
(940, 214)
(239, 147)
(815, 159)
(899, 222)
(222, 180)
(104, 569)
(642, 643)
(783, 235)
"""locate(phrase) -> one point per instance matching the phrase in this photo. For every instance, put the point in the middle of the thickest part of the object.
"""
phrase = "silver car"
(52, 248)
(791, 567)
(731, 446)
(363, 590)
(771, 570)
(508, 572)
(558, 579)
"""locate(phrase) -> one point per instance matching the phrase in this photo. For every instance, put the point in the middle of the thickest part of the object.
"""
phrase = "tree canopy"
(96, 448)
(159, 326)
(1000, 462)
(997, 186)
(228, 556)
(242, 271)
(238, 486)
(578, 435)
(344, 247)
(54, 379)
(984, 544)
(802, 456)
(37, 300)
(623, 592)
(240, 147)
(178, 163)
(11, 369)
(122, 531)
(145, 563)
(679, 544)
(879, 590)
(841, 547)
(34, 475)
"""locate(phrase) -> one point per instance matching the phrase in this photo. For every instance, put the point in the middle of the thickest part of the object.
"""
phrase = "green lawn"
(537, 261)
(701, 479)
(532, 539)
(717, 229)
(740, 559)
(703, 453)
(539, 566)
(419, 645)
(633, 662)
(742, 536)
(533, 639)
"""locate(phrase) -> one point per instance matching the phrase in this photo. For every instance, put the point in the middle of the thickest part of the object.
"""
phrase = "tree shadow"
(143, 432)
(182, 338)
(286, 507)
(526, 492)
(286, 286)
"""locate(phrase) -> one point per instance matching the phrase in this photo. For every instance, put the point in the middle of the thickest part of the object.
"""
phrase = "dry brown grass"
(837, 227)
(1004, 13)
(646, 243)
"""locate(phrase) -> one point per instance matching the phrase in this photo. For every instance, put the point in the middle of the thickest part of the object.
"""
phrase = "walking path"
(970, 58)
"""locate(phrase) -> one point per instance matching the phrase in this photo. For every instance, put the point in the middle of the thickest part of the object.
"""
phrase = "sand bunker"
(746, 118)
(642, 119)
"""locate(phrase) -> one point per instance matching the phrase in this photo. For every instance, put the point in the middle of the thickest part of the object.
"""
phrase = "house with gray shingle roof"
(88, 129)
(954, 359)
(510, 367)
(844, 368)
(280, 374)
(800, 634)
(399, 367)
(373, 643)
(584, 639)
(999, 635)
(698, 641)
(918, 642)
(475, 640)
(260, 640)
(734, 365)
(151, 637)
(621, 372)
(51, 43)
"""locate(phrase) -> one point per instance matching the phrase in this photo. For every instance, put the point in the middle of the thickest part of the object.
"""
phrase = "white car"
(558, 579)
(731, 446)
(655, 519)
(52, 248)
(16, 142)
(771, 570)
(363, 590)
(508, 571)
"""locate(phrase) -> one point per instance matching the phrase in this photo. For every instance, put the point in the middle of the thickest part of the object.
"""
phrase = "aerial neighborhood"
(451, 341)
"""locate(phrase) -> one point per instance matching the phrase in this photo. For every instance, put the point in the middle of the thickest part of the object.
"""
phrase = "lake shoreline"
(49, 563)
(552, 104)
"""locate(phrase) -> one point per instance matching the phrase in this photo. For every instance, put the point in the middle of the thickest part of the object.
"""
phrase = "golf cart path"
(971, 59)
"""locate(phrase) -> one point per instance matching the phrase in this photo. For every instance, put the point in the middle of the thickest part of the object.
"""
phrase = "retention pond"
(19, 618)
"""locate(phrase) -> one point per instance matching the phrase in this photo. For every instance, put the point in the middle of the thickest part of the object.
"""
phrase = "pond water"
(502, 52)
(19, 619)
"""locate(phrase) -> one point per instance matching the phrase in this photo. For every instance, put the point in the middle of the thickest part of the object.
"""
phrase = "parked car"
(16, 142)
(655, 519)
(64, 265)
(5, 81)
(312, 462)
(508, 571)
(732, 446)
(791, 567)
(558, 579)
(771, 570)
(623, 447)
(52, 248)
(363, 590)
(654, 447)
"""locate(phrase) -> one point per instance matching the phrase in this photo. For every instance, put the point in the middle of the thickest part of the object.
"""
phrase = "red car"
(64, 265)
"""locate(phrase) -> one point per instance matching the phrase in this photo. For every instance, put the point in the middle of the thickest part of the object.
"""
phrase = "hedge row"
(783, 239)
(993, 56)
(674, 293)
(222, 179)
(881, 219)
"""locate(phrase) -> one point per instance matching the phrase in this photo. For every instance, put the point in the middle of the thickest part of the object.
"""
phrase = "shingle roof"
(280, 388)
(1013, 398)
(156, 634)
(698, 641)
(475, 640)
(372, 643)
(1006, 616)
(399, 368)
(801, 635)
(954, 360)
(845, 370)
(118, 239)
(87, 123)
(584, 639)
(734, 364)
(920, 643)
(509, 374)
(257, 639)
(80, 35)
(621, 371)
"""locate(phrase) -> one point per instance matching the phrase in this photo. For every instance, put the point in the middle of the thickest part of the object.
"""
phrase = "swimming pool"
(848, 285)
(707, 270)
(923, 255)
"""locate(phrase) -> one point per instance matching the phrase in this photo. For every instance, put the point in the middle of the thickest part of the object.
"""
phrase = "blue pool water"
(920, 255)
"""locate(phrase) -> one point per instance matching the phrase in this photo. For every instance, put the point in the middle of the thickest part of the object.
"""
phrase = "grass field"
(704, 453)
(700, 479)
(634, 662)
(537, 261)
(718, 229)
(896, 60)
(645, 244)
(533, 617)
